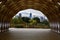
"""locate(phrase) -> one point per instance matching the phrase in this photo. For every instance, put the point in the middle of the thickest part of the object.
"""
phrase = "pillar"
(59, 28)
(54, 26)
(4, 26)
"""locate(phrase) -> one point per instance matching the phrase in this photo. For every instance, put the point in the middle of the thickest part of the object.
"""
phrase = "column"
(4, 26)
(54, 26)
(59, 28)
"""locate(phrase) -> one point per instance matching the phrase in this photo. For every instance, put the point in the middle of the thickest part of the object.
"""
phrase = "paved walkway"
(29, 34)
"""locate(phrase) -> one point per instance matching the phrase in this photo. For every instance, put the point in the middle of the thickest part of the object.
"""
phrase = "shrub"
(19, 26)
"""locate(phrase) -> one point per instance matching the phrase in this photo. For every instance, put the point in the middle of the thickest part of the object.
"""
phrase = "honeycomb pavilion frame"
(51, 8)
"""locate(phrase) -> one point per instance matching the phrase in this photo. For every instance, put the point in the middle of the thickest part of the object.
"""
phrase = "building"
(20, 14)
(30, 16)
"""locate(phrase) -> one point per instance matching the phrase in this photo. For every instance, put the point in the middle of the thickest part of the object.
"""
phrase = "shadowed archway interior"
(9, 8)
(51, 8)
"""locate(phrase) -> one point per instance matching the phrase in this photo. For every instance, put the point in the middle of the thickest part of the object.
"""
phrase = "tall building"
(41, 19)
(20, 15)
(30, 15)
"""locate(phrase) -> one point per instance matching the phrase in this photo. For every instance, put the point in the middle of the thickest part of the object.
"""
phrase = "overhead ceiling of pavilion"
(8, 8)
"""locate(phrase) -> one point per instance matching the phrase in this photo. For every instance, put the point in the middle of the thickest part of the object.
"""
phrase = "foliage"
(19, 26)
(32, 22)
(26, 19)
(17, 20)
(45, 22)
(36, 19)
(27, 22)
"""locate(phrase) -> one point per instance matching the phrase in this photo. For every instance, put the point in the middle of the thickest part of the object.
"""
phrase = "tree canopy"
(37, 19)
(26, 19)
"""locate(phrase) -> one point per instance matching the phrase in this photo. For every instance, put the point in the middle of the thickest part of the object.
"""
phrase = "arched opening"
(30, 18)
(8, 8)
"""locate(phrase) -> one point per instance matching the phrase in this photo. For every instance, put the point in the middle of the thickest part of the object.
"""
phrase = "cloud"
(34, 13)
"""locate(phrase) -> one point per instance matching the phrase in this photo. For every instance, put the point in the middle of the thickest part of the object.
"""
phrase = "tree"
(37, 19)
(17, 20)
(14, 20)
(32, 23)
(45, 22)
(26, 19)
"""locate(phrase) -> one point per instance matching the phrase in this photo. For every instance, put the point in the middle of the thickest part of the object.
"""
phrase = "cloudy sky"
(34, 13)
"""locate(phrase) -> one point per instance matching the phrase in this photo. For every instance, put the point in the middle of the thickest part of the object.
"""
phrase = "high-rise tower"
(30, 15)
(20, 15)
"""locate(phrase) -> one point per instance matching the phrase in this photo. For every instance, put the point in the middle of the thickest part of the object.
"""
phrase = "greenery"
(17, 20)
(36, 19)
(19, 26)
(26, 22)
(26, 19)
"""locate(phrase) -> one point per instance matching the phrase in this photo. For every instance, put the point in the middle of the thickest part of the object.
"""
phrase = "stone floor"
(29, 34)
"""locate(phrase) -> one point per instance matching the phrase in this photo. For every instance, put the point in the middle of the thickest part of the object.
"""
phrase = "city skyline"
(35, 13)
